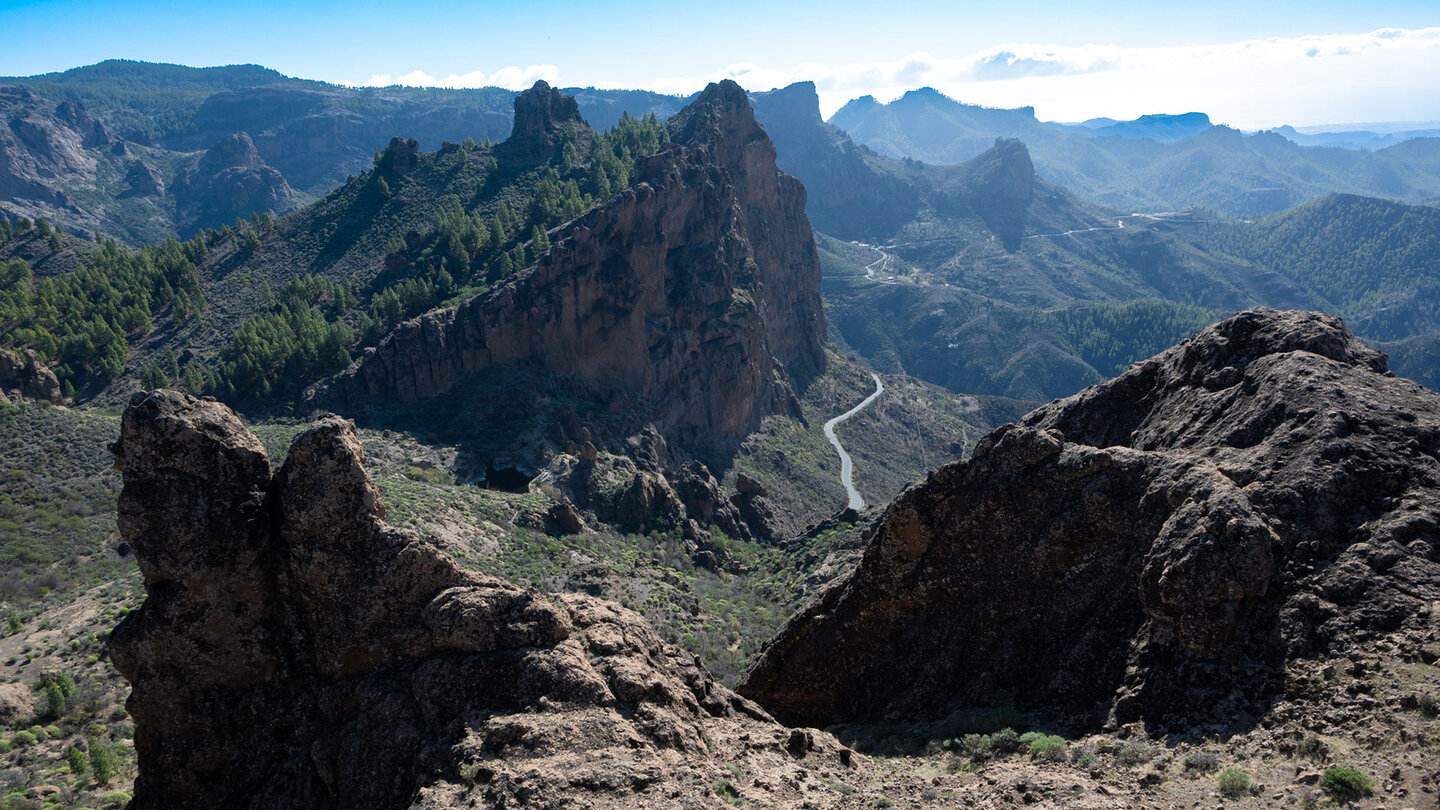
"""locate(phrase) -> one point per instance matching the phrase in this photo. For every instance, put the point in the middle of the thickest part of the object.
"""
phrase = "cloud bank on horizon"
(1390, 74)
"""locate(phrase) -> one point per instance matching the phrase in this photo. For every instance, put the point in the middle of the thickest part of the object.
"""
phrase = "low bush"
(1346, 784)
(1233, 782)
(1006, 741)
(1201, 762)
(1046, 748)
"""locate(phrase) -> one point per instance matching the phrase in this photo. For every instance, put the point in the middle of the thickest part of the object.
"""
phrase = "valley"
(585, 447)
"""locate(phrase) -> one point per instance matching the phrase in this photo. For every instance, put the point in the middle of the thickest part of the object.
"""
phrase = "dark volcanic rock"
(232, 181)
(694, 293)
(847, 197)
(541, 114)
(1161, 547)
(28, 378)
(293, 651)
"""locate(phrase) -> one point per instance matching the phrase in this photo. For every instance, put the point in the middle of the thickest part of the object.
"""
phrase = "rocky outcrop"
(27, 378)
(1171, 546)
(847, 197)
(232, 181)
(143, 181)
(694, 293)
(541, 115)
(41, 154)
(997, 186)
(356, 666)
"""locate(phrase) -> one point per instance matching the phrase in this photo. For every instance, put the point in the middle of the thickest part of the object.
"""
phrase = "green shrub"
(23, 738)
(1047, 748)
(975, 746)
(1005, 741)
(1233, 782)
(1346, 784)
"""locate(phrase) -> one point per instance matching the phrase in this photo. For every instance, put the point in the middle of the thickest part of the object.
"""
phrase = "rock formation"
(1171, 546)
(541, 114)
(695, 292)
(27, 378)
(293, 651)
(41, 153)
(847, 196)
(233, 181)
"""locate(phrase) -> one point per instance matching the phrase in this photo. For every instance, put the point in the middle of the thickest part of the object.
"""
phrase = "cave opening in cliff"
(506, 479)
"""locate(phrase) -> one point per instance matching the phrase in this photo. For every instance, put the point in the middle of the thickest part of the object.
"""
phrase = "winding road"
(846, 466)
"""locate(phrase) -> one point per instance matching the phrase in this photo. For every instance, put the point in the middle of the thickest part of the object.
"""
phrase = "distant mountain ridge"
(156, 119)
(1158, 163)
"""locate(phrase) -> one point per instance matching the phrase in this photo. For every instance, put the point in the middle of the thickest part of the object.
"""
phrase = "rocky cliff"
(293, 651)
(24, 377)
(43, 150)
(848, 196)
(232, 181)
(695, 292)
(1178, 545)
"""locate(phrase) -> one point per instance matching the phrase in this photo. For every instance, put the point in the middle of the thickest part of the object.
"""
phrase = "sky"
(1250, 64)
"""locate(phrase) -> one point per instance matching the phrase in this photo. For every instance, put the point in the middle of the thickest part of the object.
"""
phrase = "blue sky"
(1252, 63)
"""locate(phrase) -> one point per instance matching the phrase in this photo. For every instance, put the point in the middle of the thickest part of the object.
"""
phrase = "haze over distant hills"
(1217, 167)
(596, 358)
(143, 151)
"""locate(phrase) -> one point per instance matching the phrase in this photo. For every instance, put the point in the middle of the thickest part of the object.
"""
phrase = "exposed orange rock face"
(695, 292)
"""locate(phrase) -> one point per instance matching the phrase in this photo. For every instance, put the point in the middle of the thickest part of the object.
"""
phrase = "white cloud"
(1387, 74)
(511, 78)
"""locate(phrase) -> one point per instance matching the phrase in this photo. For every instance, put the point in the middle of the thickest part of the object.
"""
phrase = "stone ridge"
(1172, 546)
(293, 651)
(696, 292)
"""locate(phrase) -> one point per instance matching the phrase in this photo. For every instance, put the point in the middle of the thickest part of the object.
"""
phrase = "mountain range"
(482, 474)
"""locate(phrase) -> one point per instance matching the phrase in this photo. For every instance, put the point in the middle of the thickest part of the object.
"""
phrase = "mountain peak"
(540, 114)
(721, 119)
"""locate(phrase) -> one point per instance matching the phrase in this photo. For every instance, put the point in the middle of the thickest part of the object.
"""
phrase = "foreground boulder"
(1176, 546)
(293, 651)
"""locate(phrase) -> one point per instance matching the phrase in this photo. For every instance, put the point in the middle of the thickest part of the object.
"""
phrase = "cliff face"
(848, 197)
(293, 651)
(1171, 546)
(24, 377)
(230, 181)
(43, 149)
(695, 292)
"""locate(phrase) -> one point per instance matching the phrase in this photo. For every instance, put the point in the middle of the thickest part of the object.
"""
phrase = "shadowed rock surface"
(26, 377)
(1171, 546)
(232, 181)
(696, 291)
(295, 652)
